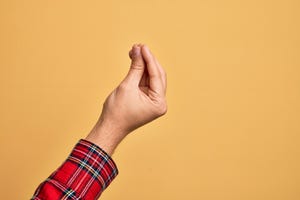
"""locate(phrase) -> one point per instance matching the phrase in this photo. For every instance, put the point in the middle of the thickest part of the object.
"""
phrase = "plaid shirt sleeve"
(84, 175)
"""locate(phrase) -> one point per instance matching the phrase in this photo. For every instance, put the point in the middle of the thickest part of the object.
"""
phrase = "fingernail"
(136, 51)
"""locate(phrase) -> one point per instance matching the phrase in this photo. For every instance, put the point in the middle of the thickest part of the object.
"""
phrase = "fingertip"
(146, 52)
(135, 51)
(136, 45)
(131, 52)
(144, 46)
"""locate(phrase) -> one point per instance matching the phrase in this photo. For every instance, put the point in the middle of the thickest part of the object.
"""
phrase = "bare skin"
(137, 100)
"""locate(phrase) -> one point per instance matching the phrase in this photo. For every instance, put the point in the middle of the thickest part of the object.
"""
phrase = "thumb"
(137, 66)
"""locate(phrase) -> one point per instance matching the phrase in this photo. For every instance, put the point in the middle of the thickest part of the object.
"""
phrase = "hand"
(139, 99)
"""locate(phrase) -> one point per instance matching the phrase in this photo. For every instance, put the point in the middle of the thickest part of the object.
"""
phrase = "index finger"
(155, 76)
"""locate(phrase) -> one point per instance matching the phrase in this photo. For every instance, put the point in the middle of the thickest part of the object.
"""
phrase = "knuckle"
(122, 87)
(138, 66)
(162, 108)
(162, 71)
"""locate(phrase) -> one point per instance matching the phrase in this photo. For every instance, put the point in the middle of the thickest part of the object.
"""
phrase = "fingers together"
(142, 60)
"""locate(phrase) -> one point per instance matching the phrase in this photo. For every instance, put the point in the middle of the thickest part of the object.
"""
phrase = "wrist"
(106, 135)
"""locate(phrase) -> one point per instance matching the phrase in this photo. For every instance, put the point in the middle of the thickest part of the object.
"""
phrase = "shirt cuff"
(87, 171)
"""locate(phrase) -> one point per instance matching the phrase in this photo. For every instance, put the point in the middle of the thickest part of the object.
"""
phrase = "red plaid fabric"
(84, 175)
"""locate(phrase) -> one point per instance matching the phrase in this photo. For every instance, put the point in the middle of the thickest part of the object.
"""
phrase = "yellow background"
(233, 125)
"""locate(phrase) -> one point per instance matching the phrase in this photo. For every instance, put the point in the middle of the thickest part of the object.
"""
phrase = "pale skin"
(137, 100)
